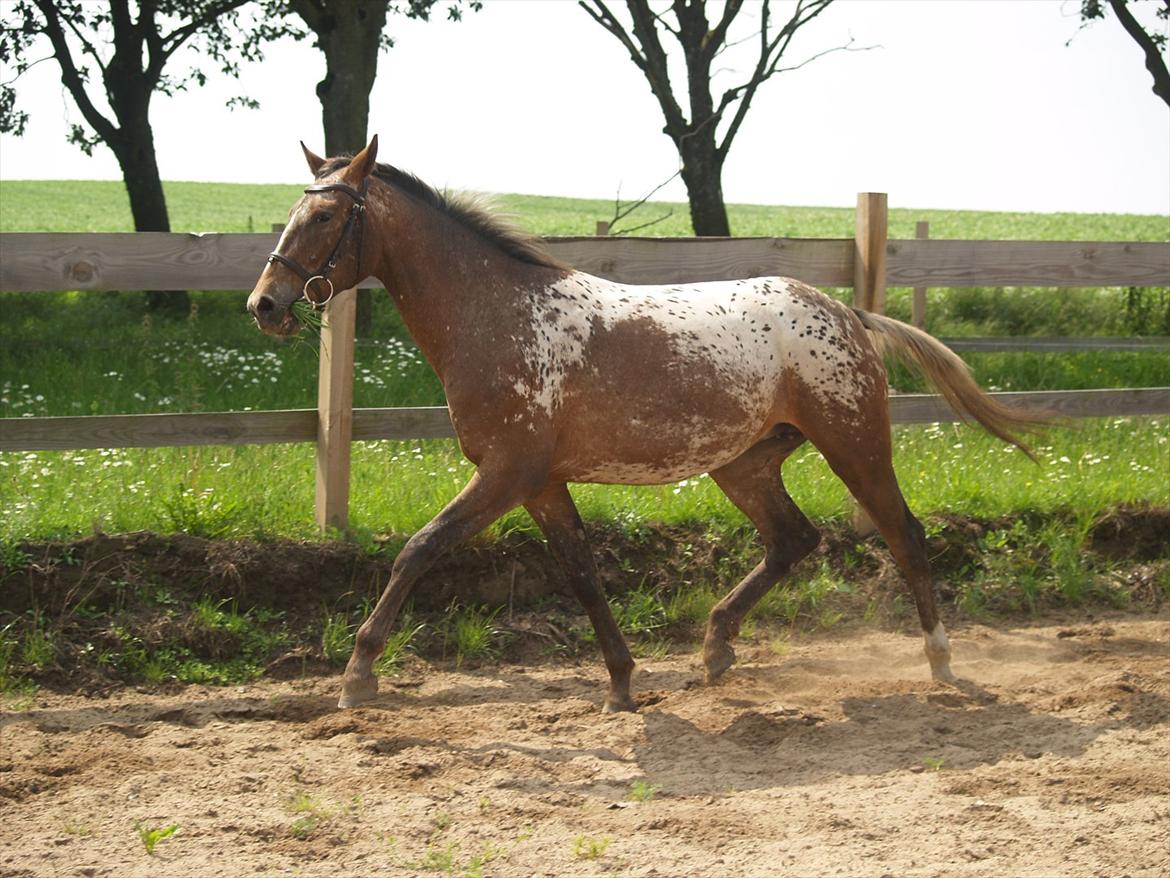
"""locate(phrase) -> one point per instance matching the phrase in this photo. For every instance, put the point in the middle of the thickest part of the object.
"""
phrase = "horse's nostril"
(264, 304)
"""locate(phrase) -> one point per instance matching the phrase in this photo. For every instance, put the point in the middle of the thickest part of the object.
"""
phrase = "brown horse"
(555, 376)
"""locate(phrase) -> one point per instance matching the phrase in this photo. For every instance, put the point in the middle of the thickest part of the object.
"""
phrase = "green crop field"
(102, 353)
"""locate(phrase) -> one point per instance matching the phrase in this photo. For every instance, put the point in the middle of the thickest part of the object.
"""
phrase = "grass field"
(101, 206)
(101, 353)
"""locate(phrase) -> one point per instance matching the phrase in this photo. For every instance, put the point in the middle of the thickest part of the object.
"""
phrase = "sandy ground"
(835, 758)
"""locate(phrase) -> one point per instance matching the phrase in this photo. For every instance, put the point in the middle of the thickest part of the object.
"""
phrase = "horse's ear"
(315, 161)
(363, 163)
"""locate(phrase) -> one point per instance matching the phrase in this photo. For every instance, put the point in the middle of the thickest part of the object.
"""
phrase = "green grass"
(587, 848)
(642, 791)
(101, 206)
(151, 836)
(99, 353)
(267, 491)
(471, 633)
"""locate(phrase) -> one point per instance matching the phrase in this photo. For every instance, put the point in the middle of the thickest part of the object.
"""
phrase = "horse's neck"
(448, 283)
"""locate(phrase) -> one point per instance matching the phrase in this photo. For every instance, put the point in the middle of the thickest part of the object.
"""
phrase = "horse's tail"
(951, 378)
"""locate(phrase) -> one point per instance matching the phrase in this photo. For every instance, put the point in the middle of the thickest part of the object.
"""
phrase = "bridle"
(353, 226)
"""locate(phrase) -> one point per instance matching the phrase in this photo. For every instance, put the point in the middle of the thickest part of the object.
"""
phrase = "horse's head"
(320, 251)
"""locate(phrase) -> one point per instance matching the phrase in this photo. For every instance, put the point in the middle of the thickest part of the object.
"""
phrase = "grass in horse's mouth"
(307, 316)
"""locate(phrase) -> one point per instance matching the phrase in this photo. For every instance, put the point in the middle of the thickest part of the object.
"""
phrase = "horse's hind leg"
(862, 458)
(753, 483)
(556, 515)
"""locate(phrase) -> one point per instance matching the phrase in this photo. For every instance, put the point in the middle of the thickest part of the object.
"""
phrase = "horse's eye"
(322, 217)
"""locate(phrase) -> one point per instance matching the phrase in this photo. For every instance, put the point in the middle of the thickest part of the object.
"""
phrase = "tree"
(1151, 42)
(704, 131)
(351, 34)
(113, 59)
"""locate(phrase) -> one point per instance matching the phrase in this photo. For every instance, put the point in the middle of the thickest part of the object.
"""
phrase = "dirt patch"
(838, 757)
(1138, 533)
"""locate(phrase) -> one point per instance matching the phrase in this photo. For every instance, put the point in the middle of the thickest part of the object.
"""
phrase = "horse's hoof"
(718, 656)
(619, 704)
(942, 674)
(355, 692)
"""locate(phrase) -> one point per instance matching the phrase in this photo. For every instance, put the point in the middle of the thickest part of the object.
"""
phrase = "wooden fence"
(33, 262)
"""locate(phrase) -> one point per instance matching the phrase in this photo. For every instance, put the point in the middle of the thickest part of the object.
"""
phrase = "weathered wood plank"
(871, 225)
(1057, 344)
(157, 431)
(31, 262)
(680, 260)
(300, 425)
(918, 296)
(927, 408)
(335, 410)
(35, 261)
(427, 422)
(942, 263)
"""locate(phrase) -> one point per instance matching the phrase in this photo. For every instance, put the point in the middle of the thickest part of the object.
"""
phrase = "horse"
(555, 376)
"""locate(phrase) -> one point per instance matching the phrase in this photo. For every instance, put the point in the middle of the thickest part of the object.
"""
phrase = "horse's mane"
(472, 211)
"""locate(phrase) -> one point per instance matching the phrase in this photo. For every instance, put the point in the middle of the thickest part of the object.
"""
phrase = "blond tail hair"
(950, 377)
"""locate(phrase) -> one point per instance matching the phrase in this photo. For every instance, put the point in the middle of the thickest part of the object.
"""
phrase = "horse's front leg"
(557, 516)
(490, 493)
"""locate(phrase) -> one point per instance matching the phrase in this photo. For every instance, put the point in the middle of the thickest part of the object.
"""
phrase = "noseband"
(353, 226)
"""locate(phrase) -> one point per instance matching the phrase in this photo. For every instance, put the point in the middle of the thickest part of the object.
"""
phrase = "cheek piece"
(353, 229)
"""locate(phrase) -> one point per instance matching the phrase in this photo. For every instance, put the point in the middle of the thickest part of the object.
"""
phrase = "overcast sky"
(975, 104)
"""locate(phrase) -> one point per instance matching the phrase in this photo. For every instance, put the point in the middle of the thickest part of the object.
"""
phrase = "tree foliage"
(114, 56)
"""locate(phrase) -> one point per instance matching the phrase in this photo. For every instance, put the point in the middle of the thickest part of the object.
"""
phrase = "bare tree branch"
(695, 123)
(768, 64)
(620, 212)
(176, 38)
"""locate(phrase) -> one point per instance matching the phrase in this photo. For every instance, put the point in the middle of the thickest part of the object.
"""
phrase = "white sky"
(974, 104)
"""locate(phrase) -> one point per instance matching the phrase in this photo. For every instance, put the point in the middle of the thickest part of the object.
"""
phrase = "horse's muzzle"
(271, 316)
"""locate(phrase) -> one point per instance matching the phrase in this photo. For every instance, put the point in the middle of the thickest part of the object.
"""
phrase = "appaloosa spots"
(724, 352)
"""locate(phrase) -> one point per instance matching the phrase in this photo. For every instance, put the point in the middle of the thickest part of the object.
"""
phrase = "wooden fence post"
(918, 300)
(602, 228)
(871, 227)
(335, 411)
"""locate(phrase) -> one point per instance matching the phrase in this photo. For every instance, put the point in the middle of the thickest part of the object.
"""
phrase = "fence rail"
(433, 422)
(49, 261)
(33, 262)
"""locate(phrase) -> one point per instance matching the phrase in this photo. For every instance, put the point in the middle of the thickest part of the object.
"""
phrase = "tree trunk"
(134, 149)
(702, 172)
(350, 33)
